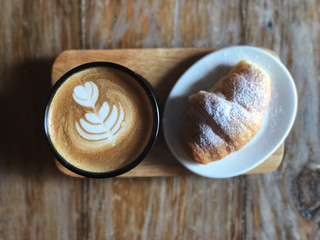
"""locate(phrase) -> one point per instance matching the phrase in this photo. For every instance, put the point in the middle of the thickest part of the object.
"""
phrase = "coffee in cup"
(101, 119)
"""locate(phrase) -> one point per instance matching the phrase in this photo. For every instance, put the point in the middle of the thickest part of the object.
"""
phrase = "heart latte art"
(99, 124)
(100, 119)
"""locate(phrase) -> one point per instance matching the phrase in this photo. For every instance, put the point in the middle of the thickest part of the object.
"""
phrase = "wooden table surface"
(39, 202)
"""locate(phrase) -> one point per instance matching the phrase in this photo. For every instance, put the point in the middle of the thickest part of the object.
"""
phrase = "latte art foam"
(99, 124)
(100, 119)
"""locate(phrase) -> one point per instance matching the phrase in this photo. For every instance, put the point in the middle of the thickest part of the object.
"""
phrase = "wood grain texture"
(38, 202)
(34, 196)
(292, 30)
(161, 68)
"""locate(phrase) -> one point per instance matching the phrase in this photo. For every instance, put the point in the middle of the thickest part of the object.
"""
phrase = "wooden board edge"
(263, 168)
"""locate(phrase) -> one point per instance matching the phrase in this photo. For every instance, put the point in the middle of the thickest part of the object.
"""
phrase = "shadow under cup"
(155, 121)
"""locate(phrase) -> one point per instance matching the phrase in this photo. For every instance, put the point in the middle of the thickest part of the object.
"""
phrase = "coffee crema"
(100, 119)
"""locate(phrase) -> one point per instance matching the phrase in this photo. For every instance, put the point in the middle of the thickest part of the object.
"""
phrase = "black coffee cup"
(154, 131)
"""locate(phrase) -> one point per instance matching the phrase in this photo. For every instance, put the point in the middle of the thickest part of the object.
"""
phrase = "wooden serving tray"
(162, 68)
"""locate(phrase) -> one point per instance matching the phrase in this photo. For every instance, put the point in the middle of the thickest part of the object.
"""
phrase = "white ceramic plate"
(277, 121)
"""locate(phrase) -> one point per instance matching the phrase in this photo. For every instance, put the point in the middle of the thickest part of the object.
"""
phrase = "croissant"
(227, 116)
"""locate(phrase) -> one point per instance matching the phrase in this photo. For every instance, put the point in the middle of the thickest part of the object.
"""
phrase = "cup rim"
(155, 126)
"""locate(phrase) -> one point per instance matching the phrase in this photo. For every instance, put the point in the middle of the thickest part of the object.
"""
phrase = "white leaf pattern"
(96, 128)
(91, 136)
(104, 111)
(92, 117)
(88, 88)
(118, 123)
(86, 96)
(111, 120)
(95, 93)
(97, 125)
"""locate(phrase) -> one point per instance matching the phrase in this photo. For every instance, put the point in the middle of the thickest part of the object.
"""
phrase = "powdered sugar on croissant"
(227, 116)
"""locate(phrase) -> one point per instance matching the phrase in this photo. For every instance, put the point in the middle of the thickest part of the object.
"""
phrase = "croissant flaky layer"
(227, 116)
